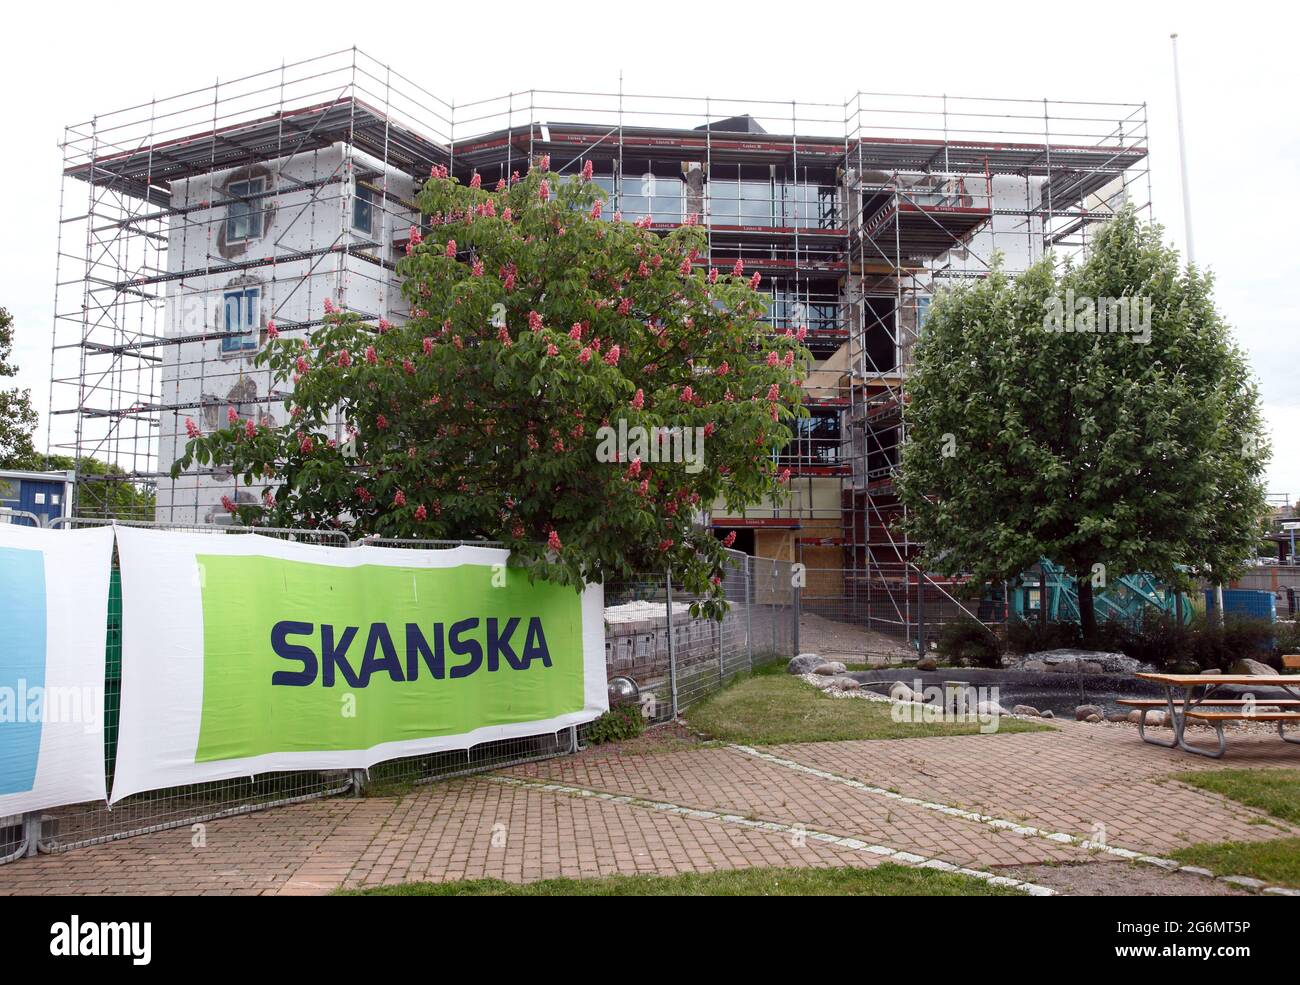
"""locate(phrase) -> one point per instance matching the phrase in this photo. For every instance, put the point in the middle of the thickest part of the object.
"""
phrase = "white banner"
(244, 654)
(53, 631)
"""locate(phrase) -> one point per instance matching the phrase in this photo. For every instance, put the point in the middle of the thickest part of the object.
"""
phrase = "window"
(244, 214)
(242, 319)
(363, 210)
(39, 499)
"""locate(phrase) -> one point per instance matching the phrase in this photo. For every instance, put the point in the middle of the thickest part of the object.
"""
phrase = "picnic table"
(1199, 699)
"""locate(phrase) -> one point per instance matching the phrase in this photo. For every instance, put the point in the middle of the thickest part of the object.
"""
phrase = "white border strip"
(852, 844)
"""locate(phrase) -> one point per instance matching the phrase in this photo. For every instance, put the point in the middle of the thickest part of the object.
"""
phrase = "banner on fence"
(53, 628)
(246, 654)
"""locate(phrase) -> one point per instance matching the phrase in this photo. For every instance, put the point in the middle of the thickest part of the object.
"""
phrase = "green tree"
(1107, 453)
(540, 329)
(17, 418)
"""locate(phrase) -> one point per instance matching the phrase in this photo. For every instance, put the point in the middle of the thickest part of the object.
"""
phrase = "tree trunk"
(1087, 613)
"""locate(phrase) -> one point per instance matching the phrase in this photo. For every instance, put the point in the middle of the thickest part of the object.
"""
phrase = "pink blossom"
(788, 361)
(611, 357)
(587, 170)
(802, 333)
(596, 208)
(534, 321)
(692, 219)
(638, 399)
(384, 326)
(415, 236)
(305, 444)
(643, 270)
(755, 280)
(773, 359)
(450, 251)
(476, 268)
(665, 544)
(250, 429)
(501, 184)
(268, 499)
(371, 358)
(399, 498)
(544, 191)
(634, 469)
(271, 331)
(774, 392)
(191, 428)
(532, 443)
(584, 356)
(730, 539)
(553, 541)
(618, 215)
(232, 415)
(503, 335)
(551, 350)
(784, 476)
(381, 422)
(408, 367)
(575, 332)
(739, 269)
(228, 503)
(713, 275)
(329, 306)
(709, 429)
(688, 395)
(508, 274)
(303, 365)
(723, 369)
(476, 181)
(506, 214)
(345, 359)
(428, 346)
(685, 268)
(421, 513)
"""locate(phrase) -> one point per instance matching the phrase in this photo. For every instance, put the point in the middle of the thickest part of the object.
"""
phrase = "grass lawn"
(1276, 861)
(887, 879)
(1275, 792)
(775, 708)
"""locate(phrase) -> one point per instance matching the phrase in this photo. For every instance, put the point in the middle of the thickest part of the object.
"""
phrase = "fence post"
(31, 833)
(920, 614)
(672, 640)
(749, 615)
(796, 606)
(358, 780)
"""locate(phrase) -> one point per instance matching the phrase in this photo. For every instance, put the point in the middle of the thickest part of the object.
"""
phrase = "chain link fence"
(674, 658)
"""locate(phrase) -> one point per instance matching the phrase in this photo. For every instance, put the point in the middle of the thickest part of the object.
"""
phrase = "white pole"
(1182, 156)
(1187, 233)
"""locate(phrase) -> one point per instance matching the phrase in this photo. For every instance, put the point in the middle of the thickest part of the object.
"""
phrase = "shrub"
(1030, 637)
(616, 725)
(970, 643)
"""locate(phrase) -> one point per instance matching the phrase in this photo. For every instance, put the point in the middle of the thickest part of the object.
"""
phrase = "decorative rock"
(1088, 667)
(898, 691)
(990, 708)
(1211, 670)
(1133, 716)
(1093, 718)
(804, 663)
(1248, 666)
(927, 663)
(830, 669)
(1082, 712)
(1035, 666)
(1157, 719)
(1116, 716)
(1048, 714)
(1110, 663)
(845, 683)
(1026, 711)
(1195, 870)
(1064, 667)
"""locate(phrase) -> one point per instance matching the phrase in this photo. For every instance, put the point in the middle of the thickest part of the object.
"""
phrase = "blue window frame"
(244, 214)
(242, 319)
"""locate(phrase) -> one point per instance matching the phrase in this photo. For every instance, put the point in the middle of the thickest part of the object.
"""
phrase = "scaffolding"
(854, 212)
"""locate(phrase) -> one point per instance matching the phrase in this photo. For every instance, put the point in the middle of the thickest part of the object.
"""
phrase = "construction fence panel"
(674, 658)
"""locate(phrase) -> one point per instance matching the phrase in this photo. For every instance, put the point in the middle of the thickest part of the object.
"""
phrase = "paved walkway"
(983, 802)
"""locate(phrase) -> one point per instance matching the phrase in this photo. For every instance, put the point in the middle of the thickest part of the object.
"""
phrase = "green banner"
(300, 656)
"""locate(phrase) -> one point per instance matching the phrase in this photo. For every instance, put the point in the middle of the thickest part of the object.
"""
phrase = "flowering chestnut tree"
(542, 329)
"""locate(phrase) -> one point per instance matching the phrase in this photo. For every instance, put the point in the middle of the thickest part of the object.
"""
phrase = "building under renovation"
(189, 223)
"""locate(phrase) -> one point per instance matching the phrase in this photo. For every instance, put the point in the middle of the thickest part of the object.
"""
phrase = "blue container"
(1244, 602)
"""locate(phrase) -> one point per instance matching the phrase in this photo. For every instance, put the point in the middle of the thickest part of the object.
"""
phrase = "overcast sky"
(1241, 81)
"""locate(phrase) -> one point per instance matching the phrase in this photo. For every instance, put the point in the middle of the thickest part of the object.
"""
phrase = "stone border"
(1023, 830)
(852, 844)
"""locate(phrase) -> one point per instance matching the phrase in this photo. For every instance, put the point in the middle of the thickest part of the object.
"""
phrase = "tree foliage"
(17, 417)
(536, 321)
(1088, 449)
